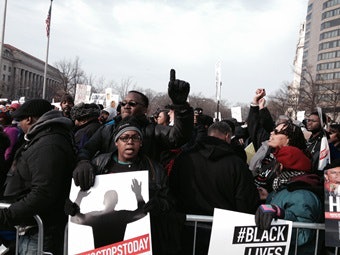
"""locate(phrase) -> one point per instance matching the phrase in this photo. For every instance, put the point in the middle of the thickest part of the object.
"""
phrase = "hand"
(83, 175)
(178, 90)
(262, 103)
(266, 213)
(263, 193)
(71, 208)
(260, 93)
(136, 187)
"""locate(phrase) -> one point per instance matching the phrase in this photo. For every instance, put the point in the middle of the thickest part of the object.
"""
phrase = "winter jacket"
(41, 173)
(83, 133)
(313, 146)
(156, 138)
(260, 123)
(165, 223)
(210, 176)
(301, 200)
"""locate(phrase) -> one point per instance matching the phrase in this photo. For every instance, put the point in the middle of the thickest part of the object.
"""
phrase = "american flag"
(48, 21)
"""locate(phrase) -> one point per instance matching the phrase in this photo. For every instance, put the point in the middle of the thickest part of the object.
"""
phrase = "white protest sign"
(236, 233)
(110, 211)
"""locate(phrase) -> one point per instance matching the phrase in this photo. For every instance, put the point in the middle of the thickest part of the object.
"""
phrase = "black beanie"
(32, 108)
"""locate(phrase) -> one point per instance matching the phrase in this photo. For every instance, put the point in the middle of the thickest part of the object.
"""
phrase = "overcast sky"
(143, 39)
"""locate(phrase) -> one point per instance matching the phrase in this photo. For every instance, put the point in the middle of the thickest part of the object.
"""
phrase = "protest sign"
(111, 219)
(236, 232)
(332, 207)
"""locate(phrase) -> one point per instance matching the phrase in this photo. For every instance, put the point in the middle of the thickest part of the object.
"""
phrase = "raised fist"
(178, 90)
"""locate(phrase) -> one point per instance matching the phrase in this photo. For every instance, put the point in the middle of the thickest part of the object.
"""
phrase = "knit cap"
(292, 158)
(127, 126)
(84, 111)
(32, 108)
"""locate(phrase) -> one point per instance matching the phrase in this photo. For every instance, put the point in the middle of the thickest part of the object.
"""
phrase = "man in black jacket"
(157, 138)
(40, 177)
(211, 175)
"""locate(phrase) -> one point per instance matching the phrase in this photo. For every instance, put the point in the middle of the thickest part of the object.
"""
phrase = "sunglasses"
(280, 132)
(126, 138)
(130, 103)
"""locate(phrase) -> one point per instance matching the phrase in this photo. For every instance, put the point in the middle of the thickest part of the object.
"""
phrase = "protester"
(296, 194)
(107, 116)
(66, 104)
(128, 156)
(334, 140)
(211, 175)
(40, 177)
(314, 141)
(286, 134)
(163, 118)
(86, 121)
(157, 138)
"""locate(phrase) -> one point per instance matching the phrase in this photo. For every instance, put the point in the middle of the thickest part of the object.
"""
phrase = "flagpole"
(48, 23)
(3, 37)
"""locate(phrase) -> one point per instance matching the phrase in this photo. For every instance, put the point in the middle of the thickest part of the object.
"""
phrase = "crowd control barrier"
(40, 234)
(297, 225)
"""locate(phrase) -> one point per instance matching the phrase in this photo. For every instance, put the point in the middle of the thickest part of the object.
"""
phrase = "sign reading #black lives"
(241, 236)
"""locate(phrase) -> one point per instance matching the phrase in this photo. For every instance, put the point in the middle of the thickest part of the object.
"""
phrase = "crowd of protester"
(195, 164)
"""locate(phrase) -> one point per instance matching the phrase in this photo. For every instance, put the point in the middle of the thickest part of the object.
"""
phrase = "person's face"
(132, 105)
(333, 136)
(25, 124)
(128, 145)
(313, 123)
(171, 115)
(277, 137)
(103, 116)
(66, 106)
(161, 119)
(333, 175)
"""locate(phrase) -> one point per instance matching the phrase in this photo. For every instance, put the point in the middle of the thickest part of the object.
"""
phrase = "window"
(4, 68)
(8, 78)
(9, 69)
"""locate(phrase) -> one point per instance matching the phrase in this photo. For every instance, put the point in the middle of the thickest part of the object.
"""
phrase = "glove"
(83, 175)
(71, 208)
(266, 213)
(156, 206)
(178, 90)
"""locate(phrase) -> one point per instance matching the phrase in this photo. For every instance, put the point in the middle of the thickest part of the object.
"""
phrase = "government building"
(22, 75)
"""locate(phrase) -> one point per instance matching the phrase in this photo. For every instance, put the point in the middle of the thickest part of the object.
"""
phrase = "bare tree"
(71, 74)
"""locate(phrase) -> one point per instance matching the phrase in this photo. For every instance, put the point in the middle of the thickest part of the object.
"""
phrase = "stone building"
(22, 75)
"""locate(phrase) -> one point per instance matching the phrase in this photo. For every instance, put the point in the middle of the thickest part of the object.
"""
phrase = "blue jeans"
(28, 244)
(53, 241)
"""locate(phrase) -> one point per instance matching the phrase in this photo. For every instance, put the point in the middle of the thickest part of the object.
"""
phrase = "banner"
(111, 218)
(236, 233)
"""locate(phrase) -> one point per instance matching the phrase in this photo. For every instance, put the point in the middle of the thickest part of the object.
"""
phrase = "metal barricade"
(297, 225)
(40, 244)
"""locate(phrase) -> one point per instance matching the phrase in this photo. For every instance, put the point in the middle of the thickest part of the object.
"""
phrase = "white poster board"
(236, 113)
(82, 93)
(236, 233)
(137, 236)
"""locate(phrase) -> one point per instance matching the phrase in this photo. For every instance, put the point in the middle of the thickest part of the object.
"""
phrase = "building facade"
(321, 56)
(22, 75)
